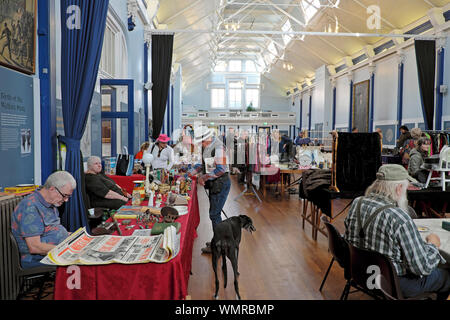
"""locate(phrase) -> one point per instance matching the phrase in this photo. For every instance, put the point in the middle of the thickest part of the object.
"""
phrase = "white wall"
(386, 89)
(272, 98)
(342, 101)
(412, 107)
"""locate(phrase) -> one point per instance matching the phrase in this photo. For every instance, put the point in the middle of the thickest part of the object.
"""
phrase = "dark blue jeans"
(217, 201)
(438, 281)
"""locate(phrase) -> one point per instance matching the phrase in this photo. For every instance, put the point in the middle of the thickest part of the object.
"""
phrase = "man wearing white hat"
(214, 173)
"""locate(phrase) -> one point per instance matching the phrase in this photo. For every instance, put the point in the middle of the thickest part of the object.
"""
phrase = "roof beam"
(182, 11)
(295, 33)
(383, 19)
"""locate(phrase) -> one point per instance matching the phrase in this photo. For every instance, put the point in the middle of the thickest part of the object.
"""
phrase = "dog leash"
(210, 202)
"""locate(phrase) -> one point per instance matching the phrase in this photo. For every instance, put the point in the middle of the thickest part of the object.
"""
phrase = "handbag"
(124, 163)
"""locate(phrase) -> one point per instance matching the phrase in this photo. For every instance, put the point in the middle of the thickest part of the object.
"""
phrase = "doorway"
(117, 116)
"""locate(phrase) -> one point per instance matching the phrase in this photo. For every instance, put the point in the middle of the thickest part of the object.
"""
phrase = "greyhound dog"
(225, 243)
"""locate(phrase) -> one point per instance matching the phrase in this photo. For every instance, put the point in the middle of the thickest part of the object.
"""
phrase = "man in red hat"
(163, 154)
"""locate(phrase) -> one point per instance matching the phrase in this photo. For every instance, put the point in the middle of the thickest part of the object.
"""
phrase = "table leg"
(264, 185)
(282, 186)
(313, 218)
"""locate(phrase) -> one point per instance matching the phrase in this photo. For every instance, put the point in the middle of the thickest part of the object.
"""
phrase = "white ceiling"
(197, 50)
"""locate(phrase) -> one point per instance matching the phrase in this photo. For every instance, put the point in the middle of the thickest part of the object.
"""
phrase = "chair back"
(337, 245)
(15, 254)
(374, 271)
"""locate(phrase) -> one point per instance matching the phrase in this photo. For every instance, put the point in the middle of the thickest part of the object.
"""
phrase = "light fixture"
(287, 66)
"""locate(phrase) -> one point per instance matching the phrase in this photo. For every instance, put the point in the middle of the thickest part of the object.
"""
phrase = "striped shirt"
(220, 160)
(393, 234)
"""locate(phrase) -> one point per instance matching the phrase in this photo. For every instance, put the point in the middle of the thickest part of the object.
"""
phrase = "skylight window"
(310, 8)
(287, 28)
(221, 66)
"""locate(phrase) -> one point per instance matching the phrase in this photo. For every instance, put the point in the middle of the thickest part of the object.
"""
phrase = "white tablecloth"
(435, 226)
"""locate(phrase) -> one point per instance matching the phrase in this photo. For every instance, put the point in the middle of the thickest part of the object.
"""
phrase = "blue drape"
(81, 48)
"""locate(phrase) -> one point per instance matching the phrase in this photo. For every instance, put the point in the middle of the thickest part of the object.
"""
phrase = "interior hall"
(210, 150)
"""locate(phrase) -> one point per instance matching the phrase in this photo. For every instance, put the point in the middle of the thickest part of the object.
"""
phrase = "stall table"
(435, 226)
(149, 281)
(126, 182)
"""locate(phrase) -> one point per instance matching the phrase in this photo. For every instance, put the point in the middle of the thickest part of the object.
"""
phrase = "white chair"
(443, 168)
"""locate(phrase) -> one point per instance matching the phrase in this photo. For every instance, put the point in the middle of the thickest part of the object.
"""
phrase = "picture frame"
(18, 35)
(360, 114)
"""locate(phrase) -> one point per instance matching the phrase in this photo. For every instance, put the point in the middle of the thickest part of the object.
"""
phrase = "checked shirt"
(393, 234)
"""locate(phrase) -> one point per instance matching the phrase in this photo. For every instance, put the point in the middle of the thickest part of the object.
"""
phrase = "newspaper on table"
(83, 249)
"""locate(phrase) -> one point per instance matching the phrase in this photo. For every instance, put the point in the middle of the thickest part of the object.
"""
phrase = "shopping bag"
(124, 163)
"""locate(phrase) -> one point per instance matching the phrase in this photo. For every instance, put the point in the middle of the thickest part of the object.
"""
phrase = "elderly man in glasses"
(35, 222)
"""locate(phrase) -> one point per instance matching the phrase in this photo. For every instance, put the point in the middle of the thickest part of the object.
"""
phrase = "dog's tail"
(223, 247)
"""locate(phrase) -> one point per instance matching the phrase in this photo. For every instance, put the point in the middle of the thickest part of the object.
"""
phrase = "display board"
(16, 129)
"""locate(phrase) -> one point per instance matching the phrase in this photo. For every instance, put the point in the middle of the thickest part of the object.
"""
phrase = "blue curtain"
(81, 48)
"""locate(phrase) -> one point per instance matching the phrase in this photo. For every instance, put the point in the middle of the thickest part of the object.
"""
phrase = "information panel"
(16, 129)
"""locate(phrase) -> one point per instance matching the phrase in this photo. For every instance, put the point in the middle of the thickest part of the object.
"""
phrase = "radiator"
(9, 282)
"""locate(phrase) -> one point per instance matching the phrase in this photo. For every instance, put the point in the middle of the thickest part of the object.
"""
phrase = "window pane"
(218, 98)
(252, 98)
(234, 98)
(235, 66)
(250, 66)
(221, 66)
(235, 84)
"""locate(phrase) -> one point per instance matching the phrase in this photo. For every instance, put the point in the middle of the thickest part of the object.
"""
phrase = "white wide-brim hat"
(202, 133)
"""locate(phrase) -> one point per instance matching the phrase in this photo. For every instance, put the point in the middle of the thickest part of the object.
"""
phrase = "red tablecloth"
(126, 182)
(150, 281)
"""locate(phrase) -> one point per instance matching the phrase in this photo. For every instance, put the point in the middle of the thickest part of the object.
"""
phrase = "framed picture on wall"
(361, 106)
(446, 125)
(388, 134)
(18, 35)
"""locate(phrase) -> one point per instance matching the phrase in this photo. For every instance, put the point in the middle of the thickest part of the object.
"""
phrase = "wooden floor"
(279, 261)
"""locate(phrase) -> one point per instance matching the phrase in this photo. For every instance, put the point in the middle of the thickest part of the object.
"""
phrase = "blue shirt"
(33, 217)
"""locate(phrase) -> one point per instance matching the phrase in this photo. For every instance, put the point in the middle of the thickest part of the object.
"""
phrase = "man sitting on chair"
(379, 221)
(35, 222)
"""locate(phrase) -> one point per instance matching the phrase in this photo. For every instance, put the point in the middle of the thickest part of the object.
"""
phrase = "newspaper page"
(83, 249)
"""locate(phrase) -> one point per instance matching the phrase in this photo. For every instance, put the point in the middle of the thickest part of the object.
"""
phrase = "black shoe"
(206, 250)
(208, 244)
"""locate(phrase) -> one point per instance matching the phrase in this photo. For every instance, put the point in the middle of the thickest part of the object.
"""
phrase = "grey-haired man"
(382, 215)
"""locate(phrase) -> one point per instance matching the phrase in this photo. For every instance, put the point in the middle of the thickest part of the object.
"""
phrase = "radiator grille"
(9, 282)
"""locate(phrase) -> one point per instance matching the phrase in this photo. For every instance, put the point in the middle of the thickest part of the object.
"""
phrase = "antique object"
(169, 214)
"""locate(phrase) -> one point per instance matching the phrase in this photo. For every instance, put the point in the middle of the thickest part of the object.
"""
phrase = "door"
(117, 116)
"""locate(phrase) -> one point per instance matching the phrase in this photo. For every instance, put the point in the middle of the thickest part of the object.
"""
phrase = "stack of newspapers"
(83, 249)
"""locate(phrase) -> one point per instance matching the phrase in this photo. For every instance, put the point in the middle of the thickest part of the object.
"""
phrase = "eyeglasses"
(65, 196)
